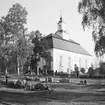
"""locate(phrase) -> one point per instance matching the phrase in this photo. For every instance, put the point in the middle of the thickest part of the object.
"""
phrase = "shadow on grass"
(55, 96)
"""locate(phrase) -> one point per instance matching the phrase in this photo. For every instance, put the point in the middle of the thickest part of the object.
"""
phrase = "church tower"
(61, 30)
(60, 24)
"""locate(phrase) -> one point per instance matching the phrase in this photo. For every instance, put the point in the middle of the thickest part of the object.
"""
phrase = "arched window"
(60, 63)
(60, 60)
(69, 62)
(86, 64)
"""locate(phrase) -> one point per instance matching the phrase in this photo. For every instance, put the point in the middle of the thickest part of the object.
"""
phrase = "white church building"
(66, 52)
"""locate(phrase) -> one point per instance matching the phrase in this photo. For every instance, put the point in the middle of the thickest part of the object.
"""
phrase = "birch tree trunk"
(38, 69)
(18, 67)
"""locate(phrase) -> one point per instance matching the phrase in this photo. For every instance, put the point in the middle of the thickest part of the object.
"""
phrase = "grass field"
(63, 94)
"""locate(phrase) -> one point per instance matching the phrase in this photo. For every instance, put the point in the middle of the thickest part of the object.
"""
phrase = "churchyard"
(66, 91)
(45, 69)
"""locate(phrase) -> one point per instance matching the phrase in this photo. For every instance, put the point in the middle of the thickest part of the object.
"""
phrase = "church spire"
(61, 19)
(62, 29)
(60, 24)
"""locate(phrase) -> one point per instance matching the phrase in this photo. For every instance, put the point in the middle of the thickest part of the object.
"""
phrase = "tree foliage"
(93, 12)
(14, 45)
(12, 33)
(39, 49)
(101, 67)
(22, 50)
(13, 23)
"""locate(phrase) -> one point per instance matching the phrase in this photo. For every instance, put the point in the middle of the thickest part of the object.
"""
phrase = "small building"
(65, 52)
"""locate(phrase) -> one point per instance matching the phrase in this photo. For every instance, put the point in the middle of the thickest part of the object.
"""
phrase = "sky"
(43, 15)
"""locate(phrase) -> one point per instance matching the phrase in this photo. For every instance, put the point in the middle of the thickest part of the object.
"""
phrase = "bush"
(64, 80)
(27, 78)
(62, 74)
(98, 76)
(96, 71)
(35, 87)
(83, 76)
(50, 72)
(3, 82)
(91, 72)
(10, 84)
(31, 78)
(73, 74)
(38, 86)
(18, 84)
(36, 79)
(93, 76)
(102, 68)
(82, 70)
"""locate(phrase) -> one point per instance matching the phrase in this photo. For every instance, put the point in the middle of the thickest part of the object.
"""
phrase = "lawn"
(63, 94)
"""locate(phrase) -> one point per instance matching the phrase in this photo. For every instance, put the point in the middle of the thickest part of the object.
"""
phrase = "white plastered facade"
(69, 59)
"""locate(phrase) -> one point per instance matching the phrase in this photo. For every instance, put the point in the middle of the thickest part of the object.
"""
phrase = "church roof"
(56, 41)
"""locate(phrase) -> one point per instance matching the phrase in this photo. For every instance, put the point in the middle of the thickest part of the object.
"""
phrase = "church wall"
(65, 60)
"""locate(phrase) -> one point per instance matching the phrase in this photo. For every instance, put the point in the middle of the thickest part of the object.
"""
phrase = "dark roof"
(55, 41)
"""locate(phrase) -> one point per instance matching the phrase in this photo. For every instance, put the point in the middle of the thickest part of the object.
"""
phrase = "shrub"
(93, 76)
(102, 68)
(3, 82)
(18, 84)
(64, 80)
(27, 78)
(90, 72)
(36, 79)
(50, 72)
(73, 74)
(41, 86)
(98, 76)
(62, 74)
(31, 78)
(82, 70)
(10, 84)
(97, 70)
(83, 76)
